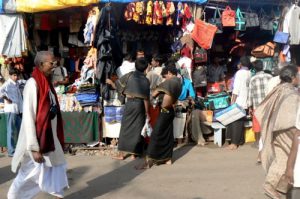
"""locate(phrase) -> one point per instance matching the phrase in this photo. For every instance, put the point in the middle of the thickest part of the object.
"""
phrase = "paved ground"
(197, 173)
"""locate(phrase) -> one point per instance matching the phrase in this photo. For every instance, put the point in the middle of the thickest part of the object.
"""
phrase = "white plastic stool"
(218, 133)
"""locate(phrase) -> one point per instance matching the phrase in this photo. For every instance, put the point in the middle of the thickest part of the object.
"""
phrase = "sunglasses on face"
(53, 63)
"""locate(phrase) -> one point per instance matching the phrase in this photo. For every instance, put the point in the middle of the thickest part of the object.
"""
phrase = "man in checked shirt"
(257, 93)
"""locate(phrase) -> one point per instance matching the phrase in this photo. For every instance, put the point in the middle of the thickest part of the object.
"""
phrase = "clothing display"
(13, 42)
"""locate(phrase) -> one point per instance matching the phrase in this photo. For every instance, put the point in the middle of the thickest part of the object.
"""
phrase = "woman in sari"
(160, 148)
(136, 87)
(277, 115)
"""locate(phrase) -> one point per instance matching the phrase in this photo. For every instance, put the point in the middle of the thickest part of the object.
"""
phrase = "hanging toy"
(143, 13)
(156, 13)
(149, 13)
(136, 14)
(186, 15)
(180, 13)
(129, 11)
(170, 11)
(163, 8)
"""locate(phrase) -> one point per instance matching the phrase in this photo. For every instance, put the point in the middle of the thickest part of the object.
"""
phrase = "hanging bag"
(217, 20)
(204, 33)
(263, 51)
(266, 22)
(252, 19)
(228, 17)
(200, 55)
(280, 36)
(240, 22)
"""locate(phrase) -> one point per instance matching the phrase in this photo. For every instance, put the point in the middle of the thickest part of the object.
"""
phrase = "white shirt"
(273, 82)
(59, 74)
(27, 140)
(11, 90)
(241, 87)
(287, 18)
(186, 63)
(125, 68)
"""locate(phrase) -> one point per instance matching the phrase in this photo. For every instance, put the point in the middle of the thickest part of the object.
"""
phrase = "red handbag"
(228, 17)
(204, 34)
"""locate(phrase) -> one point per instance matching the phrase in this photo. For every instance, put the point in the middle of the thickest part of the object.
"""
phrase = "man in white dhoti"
(39, 150)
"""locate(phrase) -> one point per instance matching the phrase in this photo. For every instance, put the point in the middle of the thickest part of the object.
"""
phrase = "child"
(12, 96)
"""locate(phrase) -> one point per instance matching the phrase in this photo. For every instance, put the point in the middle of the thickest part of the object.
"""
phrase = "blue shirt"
(187, 90)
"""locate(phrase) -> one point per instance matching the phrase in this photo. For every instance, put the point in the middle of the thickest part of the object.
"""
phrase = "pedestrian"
(235, 130)
(293, 165)
(39, 153)
(277, 117)
(160, 148)
(136, 87)
(13, 100)
(257, 93)
(60, 77)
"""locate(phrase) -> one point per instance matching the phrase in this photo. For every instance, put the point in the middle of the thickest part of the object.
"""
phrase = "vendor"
(60, 76)
(216, 72)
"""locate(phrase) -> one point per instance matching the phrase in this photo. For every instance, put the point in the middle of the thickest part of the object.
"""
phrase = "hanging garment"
(294, 28)
(9, 6)
(13, 39)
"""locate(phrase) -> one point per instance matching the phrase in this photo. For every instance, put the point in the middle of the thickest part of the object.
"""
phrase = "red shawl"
(43, 121)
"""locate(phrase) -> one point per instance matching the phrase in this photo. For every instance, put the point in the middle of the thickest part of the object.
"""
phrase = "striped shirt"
(258, 88)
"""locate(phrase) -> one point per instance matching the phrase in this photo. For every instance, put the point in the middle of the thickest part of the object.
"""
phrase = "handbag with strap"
(228, 17)
(204, 33)
(200, 55)
(217, 101)
(240, 22)
(252, 19)
(266, 50)
(217, 21)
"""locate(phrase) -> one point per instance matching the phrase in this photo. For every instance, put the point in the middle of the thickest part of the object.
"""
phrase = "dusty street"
(197, 173)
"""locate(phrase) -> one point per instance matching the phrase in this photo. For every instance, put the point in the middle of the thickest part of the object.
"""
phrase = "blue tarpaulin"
(129, 1)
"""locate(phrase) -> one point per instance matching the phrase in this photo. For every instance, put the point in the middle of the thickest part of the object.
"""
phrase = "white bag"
(147, 129)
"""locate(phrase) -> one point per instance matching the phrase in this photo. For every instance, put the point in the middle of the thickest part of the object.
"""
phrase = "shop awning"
(32, 6)
(128, 1)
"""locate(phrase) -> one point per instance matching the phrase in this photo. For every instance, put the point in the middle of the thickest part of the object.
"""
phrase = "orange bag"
(263, 51)
(204, 34)
(228, 17)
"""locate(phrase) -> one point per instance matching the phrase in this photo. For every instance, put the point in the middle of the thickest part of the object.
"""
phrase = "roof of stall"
(32, 6)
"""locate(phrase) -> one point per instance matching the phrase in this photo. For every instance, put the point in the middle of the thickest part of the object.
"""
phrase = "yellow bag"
(249, 135)
(48, 5)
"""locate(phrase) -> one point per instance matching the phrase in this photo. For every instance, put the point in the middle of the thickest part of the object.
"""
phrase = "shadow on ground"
(119, 177)
(6, 174)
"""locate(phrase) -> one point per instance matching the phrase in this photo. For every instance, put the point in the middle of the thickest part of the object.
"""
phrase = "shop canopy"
(31, 6)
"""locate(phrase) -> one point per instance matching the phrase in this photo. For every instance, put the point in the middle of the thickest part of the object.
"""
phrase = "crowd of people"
(154, 91)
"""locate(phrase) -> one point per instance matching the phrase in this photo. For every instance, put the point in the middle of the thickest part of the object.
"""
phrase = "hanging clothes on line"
(13, 38)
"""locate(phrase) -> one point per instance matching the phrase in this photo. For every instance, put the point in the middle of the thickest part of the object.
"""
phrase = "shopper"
(12, 96)
(257, 93)
(136, 87)
(126, 67)
(60, 76)
(39, 150)
(160, 148)
(235, 130)
(277, 116)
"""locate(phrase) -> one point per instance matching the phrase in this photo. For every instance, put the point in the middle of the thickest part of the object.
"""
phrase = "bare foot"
(202, 143)
(146, 165)
(169, 162)
(232, 147)
(271, 192)
(119, 157)
(132, 157)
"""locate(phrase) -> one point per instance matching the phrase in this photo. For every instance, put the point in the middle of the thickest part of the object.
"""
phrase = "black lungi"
(235, 132)
(133, 121)
(161, 144)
